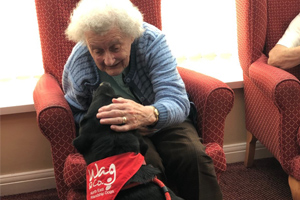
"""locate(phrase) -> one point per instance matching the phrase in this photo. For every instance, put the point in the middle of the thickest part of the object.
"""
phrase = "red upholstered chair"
(213, 98)
(272, 95)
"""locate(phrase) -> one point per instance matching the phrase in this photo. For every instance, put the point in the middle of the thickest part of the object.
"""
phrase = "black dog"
(96, 142)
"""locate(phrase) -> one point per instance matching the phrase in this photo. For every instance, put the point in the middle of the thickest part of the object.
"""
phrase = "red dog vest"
(106, 177)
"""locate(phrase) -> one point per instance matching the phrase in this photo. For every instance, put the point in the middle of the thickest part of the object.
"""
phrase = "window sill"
(19, 91)
(18, 95)
(227, 71)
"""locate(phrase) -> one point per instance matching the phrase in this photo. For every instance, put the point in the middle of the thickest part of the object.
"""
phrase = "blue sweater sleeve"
(171, 98)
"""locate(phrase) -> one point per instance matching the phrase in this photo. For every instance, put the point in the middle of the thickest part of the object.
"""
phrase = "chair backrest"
(53, 18)
(280, 14)
(260, 24)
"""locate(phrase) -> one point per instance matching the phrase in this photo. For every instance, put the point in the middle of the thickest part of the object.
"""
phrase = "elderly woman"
(116, 46)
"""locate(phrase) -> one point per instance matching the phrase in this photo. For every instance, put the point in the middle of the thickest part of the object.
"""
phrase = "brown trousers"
(179, 154)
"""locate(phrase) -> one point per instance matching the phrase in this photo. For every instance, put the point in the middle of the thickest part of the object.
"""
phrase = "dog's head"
(97, 141)
(104, 89)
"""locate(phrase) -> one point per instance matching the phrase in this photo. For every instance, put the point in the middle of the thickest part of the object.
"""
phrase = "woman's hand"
(125, 115)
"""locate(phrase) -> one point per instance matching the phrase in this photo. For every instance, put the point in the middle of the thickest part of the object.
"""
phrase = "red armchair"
(213, 98)
(272, 95)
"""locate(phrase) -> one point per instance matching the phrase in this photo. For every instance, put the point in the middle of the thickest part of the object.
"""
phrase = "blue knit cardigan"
(153, 78)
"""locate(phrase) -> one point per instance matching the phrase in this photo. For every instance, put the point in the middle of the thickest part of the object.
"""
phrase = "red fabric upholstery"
(272, 95)
(56, 122)
(151, 11)
(53, 18)
(75, 164)
(216, 152)
(213, 98)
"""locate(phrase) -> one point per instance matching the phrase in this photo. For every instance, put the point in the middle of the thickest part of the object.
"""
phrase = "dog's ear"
(82, 143)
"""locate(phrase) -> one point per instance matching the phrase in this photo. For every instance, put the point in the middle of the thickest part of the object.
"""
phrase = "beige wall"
(235, 131)
(24, 148)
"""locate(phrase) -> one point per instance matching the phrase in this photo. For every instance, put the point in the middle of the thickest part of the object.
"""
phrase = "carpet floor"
(264, 181)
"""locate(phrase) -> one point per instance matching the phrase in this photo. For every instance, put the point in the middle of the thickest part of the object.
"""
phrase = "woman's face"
(111, 51)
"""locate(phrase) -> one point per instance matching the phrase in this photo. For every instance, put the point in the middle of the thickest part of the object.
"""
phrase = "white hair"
(100, 16)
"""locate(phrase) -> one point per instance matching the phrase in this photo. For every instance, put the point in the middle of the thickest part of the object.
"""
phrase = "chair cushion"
(218, 156)
(75, 171)
(76, 194)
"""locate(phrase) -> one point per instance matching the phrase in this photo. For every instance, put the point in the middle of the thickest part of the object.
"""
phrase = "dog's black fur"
(97, 141)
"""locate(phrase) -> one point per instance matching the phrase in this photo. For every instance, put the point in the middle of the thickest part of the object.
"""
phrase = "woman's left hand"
(124, 115)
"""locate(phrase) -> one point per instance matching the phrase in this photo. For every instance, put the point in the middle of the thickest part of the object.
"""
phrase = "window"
(201, 32)
(198, 31)
(21, 60)
(19, 41)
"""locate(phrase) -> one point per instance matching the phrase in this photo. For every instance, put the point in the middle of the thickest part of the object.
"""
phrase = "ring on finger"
(124, 120)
